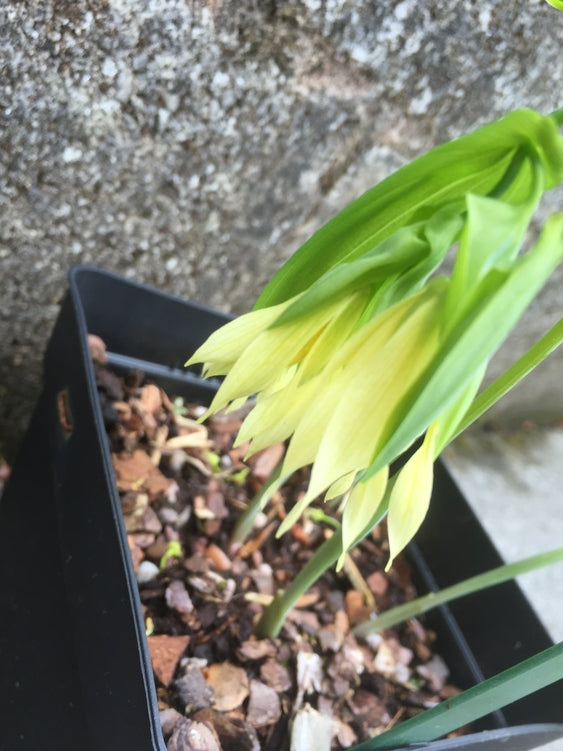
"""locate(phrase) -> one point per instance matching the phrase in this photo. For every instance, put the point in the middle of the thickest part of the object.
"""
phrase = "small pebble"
(147, 572)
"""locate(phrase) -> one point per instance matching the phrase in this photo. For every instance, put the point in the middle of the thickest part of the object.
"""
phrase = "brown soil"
(183, 486)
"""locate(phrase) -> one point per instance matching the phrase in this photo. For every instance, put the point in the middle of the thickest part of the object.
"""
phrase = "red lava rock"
(369, 708)
(165, 651)
(306, 620)
(137, 554)
(193, 736)
(193, 691)
(233, 732)
(143, 539)
(435, 672)
(392, 660)
(169, 718)
(144, 520)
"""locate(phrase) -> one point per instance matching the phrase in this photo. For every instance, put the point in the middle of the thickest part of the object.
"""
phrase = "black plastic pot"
(74, 665)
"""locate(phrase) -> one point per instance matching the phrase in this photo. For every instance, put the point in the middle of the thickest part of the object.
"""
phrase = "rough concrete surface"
(194, 144)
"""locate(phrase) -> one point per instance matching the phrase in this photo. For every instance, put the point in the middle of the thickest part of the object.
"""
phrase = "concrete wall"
(194, 145)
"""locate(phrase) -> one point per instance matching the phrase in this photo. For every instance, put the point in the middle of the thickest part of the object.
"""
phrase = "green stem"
(488, 579)
(558, 116)
(524, 365)
(274, 615)
(494, 693)
(246, 520)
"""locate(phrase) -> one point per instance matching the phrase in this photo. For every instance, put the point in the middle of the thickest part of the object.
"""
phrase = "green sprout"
(174, 550)
(178, 407)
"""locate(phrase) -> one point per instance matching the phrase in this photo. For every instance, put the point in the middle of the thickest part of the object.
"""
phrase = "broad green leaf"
(471, 344)
(403, 249)
(513, 375)
(472, 163)
(448, 422)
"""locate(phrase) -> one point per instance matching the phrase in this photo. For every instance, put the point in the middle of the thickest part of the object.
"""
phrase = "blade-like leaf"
(513, 375)
(494, 693)
(472, 343)
(473, 163)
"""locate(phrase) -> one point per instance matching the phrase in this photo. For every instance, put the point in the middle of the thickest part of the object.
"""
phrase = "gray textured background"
(194, 145)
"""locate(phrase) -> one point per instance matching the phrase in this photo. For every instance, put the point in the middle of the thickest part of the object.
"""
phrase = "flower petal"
(361, 506)
(410, 496)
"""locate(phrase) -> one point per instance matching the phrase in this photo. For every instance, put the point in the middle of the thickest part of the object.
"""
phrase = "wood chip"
(137, 554)
(264, 706)
(136, 472)
(165, 651)
(256, 649)
(177, 597)
(356, 609)
(219, 560)
(229, 684)
(151, 398)
(264, 462)
(193, 736)
(276, 676)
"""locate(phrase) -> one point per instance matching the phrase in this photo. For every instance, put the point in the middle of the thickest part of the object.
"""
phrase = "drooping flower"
(377, 352)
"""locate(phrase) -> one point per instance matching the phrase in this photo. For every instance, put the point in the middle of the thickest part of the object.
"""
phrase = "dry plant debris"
(182, 487)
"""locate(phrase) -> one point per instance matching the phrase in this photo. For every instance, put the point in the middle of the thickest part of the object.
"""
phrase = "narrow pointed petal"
(410, 496)
(226, 344)
(340, 487)
(384, 370)
(360, 507)
(275, 418)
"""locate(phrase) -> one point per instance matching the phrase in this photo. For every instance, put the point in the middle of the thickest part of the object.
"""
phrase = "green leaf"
(494, 693)
(473, 163)
(513, 375)
(472, 343)
(498, 575)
